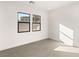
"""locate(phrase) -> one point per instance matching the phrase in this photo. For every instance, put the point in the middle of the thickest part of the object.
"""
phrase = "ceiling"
(48, 5)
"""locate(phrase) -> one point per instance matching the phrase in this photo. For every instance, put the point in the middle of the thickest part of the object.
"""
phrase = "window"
(23, 22)
(36, 23)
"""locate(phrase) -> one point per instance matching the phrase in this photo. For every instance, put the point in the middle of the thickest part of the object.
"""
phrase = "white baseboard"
(23, 44)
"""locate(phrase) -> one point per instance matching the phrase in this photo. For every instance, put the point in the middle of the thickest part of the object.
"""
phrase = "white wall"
(8, 25)
(67, 16)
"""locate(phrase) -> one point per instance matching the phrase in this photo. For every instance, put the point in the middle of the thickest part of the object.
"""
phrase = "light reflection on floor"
(67, 49)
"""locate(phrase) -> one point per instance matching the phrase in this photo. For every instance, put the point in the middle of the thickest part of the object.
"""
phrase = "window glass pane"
(23, 17)
(23, 22)
(23, 27)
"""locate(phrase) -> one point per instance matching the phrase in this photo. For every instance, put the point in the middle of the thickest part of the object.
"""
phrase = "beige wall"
(8, 25)
(67, 16)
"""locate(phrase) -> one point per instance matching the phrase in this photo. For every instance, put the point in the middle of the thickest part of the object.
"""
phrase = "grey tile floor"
(43, 48)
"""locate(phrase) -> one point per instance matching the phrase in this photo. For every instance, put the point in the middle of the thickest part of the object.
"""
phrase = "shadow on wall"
(66, 35)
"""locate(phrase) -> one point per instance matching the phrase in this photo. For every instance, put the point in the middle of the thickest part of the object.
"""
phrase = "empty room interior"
(39, 28)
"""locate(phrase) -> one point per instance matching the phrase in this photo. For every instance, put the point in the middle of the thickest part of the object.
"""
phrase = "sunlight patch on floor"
(67, 49)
